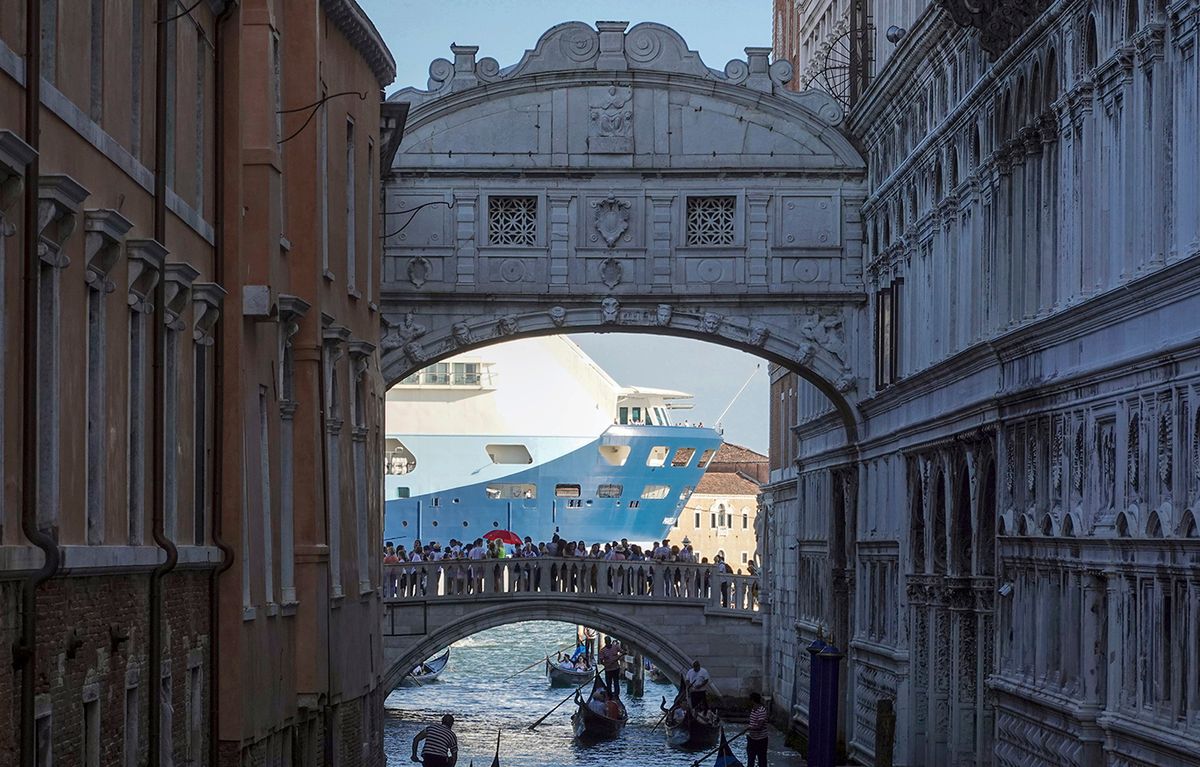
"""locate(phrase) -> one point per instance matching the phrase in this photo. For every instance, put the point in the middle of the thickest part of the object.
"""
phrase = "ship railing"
(571, 577)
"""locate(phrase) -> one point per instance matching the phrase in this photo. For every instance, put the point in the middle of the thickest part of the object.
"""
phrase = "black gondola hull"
(694, 736)
(588, 725)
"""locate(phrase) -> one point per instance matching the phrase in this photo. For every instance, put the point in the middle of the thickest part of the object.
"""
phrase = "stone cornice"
(357, 28)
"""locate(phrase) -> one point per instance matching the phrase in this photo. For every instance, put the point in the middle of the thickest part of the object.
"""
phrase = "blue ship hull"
(582, 494)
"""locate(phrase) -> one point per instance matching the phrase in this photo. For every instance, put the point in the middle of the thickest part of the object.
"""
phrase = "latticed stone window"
(512, 220)
(710, 220)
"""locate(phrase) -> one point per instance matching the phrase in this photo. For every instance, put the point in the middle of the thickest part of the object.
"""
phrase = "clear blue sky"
(419, 32)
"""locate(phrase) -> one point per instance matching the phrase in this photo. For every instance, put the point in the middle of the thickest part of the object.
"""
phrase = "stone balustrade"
(573, 578)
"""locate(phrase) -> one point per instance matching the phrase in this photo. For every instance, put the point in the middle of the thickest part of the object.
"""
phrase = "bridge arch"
(610, 181)
(670, 655)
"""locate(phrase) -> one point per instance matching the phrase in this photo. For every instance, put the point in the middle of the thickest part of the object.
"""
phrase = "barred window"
(512, 220)
(710, 220)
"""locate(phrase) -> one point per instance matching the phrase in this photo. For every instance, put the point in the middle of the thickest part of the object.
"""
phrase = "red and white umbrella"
(503, 536)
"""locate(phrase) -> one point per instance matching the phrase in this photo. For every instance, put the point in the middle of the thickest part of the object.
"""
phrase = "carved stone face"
(508, 324)
(710, 322)
(558, 315)
(662, 315)
(805, 353)
(414, 351)
(758, 335)
(462, 333)
(610, 306)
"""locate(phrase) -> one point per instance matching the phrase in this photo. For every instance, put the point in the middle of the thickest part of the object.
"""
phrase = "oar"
(522, 671)
(571, 694)
(718, 748)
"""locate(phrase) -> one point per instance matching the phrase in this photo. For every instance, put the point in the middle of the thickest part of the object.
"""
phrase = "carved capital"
(360, 356)
(103, 232)
(333, 337)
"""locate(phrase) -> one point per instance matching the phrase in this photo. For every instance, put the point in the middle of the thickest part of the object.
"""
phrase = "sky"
(419, 32)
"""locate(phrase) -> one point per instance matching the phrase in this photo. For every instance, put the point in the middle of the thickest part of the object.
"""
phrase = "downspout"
(25, 653)
(158, 451)
(214, 635)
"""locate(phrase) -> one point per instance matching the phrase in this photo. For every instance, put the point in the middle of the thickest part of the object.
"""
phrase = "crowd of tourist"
(406, 581)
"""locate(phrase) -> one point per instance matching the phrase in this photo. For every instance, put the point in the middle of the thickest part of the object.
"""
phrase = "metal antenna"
(739, 393)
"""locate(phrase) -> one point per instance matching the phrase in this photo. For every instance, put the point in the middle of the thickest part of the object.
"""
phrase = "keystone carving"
(558, 315)
(610, 308)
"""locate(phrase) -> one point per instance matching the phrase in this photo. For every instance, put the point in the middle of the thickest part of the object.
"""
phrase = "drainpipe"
(158, 451)
(214, 634)
(25, 653)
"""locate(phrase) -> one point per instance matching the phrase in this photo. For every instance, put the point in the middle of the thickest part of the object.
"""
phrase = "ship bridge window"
(508, 453)
(615, 455)
(609, 491)
(397, 459)
(511, 491)
(705, 458)
(655, 492)
(658, 455)
(683, 456)
(566, 491)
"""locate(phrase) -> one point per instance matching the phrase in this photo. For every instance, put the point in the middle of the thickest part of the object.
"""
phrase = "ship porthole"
(456, 500)
(404, 523)
(464, 523)
(495, 523)
(435, 523)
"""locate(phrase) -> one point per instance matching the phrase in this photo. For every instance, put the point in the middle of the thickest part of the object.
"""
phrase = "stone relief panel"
(808, 221)
(610, 119)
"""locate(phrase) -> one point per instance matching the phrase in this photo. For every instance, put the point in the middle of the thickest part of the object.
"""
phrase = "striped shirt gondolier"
(440, 741)
(757, 727)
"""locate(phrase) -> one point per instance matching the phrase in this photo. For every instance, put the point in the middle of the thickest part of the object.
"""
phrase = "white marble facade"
(1010, 554)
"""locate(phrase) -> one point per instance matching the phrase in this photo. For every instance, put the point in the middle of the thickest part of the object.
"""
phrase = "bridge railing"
(570, 577)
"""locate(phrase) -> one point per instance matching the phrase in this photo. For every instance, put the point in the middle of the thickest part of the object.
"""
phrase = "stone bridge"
(675, 613)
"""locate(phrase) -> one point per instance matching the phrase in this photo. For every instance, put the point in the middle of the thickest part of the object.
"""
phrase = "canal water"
(475, 688)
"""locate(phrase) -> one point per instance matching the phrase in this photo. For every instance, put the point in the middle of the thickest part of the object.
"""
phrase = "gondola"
(560, 676)
(424, 673)
(695, 731)
(656, 675)
(588, 724)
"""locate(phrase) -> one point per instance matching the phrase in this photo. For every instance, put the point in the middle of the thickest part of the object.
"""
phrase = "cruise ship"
(532, 436)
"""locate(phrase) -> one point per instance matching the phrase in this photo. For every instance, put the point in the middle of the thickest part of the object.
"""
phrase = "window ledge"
(272, 609)
(249, 614)
(288, 609)
(328, 275)
(353, 292)
(285, 244)
(372, 306)
(336, 600)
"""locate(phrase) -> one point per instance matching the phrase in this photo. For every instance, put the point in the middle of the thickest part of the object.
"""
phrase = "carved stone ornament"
(805, 353)
(558, 315)
(507, 325)
(414, 351)
(612, 219)
(401, 333)
(460, 334)
(611, 272)
(711, 322)
(611, 124)
(418, 271)
(662, 315)
(825, 330)
(757, 335)
(610, 308)
(845, 383)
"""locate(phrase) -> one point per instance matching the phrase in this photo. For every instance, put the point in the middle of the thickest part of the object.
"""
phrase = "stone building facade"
(721, 515)
(1009, 555)
(164, 550)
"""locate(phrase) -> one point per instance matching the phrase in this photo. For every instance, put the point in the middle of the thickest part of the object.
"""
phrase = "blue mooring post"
(823, 703)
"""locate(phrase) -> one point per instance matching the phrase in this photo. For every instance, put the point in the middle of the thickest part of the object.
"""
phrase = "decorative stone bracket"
(179, 278)
(104, 230)
(207, 298)
(291, 310)
(15, 156)
(360, 356)
(146, 261)
(60, 200)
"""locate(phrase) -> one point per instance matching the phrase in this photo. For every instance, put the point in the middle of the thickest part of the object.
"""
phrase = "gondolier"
(441, 744)
(756, 733)
(696, 680)
(610, 658)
